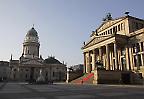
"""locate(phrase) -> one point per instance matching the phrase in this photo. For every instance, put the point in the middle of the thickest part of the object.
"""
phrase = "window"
(106, 32)
(137, 47)
(26, 76)
(110, 31)
(142, 46)
(123, 52)
(134, 48)
(143, 58)
(139, 60)
(119, 27)
(135, 61)
(123, 60)
(46, 73)
(113, 29)
(90, 67)
(53, 74)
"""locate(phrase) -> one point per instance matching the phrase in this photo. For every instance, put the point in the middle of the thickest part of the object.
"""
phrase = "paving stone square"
(70, 91)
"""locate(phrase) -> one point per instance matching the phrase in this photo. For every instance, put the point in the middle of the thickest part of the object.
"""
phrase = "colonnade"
(115, 56)
(107, 55)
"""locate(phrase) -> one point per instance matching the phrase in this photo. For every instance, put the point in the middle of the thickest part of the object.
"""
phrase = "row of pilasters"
(104, 54)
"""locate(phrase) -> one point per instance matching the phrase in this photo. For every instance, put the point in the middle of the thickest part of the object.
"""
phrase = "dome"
(32, 32)
(52, 60)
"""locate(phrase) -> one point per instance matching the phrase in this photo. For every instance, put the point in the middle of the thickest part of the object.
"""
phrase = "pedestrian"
(82, 81)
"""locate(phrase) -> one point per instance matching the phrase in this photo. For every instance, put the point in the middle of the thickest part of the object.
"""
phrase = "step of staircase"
(86, 79)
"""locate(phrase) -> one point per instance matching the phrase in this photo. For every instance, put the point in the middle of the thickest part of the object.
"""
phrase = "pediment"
(91, 42)
(108, 23)
(33, 62)
(96, 40)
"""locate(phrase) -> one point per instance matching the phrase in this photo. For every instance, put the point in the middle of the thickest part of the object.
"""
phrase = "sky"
(62, 25)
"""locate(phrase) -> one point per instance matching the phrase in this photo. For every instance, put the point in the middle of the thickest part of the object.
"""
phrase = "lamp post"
(67, 80)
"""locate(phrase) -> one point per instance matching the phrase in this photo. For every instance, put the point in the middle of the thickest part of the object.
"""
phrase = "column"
(131, 57)
(142, 58)
(137, 59)
(127, 59)
(111, 66)
(84, 68)
(87, 60)
(112, 60)
(108, 58)
(94, 60)
(88, 63)
(116, 58)
(141, 54)
(67, 79)
(100, 54)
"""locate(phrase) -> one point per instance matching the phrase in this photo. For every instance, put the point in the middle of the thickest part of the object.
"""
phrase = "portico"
(105, 50)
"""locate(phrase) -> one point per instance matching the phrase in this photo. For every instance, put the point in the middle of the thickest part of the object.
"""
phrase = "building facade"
(117, 44)
(31, 64)
(4, 70)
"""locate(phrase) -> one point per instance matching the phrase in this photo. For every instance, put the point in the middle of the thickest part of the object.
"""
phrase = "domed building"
(31, 64)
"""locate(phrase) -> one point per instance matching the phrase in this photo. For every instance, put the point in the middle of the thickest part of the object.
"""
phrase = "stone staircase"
(85, 79)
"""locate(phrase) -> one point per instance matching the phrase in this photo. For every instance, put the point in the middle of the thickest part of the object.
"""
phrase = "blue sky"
(62, 25)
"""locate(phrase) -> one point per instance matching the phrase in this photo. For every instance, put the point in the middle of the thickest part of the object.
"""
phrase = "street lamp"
(67, 80)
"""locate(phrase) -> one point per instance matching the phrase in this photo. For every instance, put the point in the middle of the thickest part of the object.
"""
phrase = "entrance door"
(31, 74)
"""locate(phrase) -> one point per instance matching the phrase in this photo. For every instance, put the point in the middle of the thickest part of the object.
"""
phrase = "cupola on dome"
(32, 36)
(32, 32)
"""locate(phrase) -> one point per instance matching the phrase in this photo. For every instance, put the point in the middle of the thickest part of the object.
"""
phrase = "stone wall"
(112, 77)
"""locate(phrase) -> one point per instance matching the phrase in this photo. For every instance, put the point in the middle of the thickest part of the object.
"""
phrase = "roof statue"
(127, 13)
(32, 32)
(11, 57)
(108, 17)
